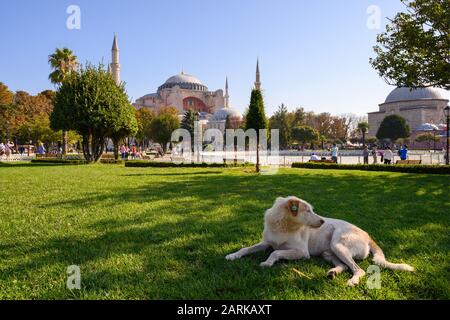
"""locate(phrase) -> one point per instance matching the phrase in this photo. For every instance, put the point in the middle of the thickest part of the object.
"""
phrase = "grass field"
(162, 233)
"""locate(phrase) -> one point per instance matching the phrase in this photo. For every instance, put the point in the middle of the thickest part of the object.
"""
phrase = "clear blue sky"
(312, 53)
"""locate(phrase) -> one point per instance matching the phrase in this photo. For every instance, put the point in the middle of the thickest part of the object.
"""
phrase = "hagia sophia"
(186, 92)
(422, 108)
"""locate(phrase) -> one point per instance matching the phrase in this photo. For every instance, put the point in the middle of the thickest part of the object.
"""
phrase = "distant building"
(417, 106)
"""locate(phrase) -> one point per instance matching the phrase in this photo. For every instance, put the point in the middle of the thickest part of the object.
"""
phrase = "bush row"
(156, 164)
(59, 161)
(432, 169)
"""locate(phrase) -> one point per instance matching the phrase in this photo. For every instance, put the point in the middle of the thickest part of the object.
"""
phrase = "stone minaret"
(227, 96)
(115, 65)
(257, 82)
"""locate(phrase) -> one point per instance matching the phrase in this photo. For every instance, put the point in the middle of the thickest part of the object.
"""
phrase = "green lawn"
(163, 233)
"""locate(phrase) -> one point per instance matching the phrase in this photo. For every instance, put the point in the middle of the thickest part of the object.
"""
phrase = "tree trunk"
(116, 148)
(364, 138)
(257, 158)
(64, 142)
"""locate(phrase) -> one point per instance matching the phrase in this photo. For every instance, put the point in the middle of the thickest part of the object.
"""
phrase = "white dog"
(295, 231)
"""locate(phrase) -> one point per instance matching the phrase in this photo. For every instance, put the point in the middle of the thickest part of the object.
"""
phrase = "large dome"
(406, 94)
(223, 113)
(183, 78)
(184, 81)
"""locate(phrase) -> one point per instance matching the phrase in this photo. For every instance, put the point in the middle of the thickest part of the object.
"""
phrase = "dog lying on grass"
(295, 231)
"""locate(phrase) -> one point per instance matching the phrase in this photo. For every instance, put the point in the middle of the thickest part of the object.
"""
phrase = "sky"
(313, 54)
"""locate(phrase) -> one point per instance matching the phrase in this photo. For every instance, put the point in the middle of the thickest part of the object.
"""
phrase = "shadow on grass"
(184, 258)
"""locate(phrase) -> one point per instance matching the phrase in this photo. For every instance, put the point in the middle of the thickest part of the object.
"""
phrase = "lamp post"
(447, 117)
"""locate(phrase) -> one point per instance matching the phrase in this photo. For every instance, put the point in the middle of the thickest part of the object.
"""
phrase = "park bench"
(48, 156)
(408, 162)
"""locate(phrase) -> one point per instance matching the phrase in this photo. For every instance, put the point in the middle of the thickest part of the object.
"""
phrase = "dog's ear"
(293, 206)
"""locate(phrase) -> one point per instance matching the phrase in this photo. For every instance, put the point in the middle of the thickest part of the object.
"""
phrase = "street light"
(447, 117)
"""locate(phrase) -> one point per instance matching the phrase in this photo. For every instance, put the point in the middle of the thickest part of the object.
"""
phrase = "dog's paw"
(331, 274)
(266, 264)
(232, 256)
(353, 282)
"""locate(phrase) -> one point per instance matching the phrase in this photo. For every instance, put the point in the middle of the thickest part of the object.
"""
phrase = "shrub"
(431, 169)
(59, 161)
(155, 164)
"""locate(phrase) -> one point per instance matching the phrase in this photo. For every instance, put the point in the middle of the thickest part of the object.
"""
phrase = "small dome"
(221, 114)
(406, 94)
(427, 127)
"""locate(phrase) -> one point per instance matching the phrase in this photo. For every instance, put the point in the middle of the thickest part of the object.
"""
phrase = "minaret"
(227, 96)
(115, 65)
(257, 82)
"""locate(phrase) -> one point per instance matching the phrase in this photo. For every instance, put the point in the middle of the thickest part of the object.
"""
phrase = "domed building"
(219, 118)
(418, 106)
(184, 92)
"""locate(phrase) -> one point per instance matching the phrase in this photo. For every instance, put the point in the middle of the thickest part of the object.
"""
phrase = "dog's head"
(300, 212)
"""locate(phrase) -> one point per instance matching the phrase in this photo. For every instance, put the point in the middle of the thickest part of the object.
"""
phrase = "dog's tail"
(379, 259)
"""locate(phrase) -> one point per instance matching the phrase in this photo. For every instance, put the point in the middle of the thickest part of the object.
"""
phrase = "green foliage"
(62, 62)
(144, 117)
(414, 51)
(188, 123)
(305, 134)
(429, 169)
(59, 161)
(280, 121)
(156, 164)
(161, 128)
(256, 118)
(90, 103)
(393, 127)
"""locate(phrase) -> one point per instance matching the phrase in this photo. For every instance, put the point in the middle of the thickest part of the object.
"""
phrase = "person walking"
(366, 155)
(374, 155)
(334, 153)
(388, 155)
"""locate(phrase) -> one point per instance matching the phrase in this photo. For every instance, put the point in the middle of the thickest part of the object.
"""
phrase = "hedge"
(59, 161)
(157, 164)
(431, 169)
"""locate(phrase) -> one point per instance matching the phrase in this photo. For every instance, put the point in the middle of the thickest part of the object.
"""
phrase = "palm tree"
(62, 62)
(363, 127)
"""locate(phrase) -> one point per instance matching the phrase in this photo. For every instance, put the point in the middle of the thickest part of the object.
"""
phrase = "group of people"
(386, 155)
(132, 152)
(6, 148)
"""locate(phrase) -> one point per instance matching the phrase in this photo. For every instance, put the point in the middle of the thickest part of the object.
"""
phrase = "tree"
(256, 119)
(122, 122)
(280, 121)
(144, 117)
(363, 127)
(414, 51)
(427, 137)
(90, 102)
(393, 127)
(62, 62)
(188, 123)
(161, 128)
(305, 135)
(6, 95)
